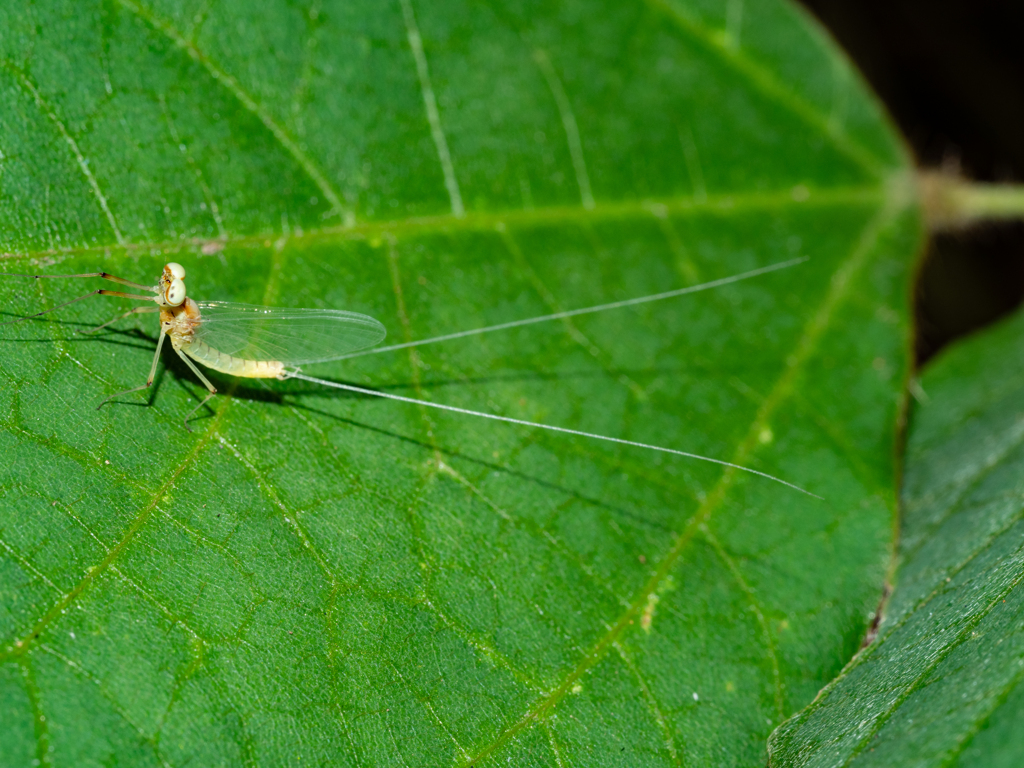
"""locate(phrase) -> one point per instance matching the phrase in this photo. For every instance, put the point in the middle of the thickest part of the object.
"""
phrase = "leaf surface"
(941, 685)
(314, 577)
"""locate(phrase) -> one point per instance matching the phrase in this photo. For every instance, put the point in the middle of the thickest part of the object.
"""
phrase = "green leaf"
(941, 685)
(314, 577)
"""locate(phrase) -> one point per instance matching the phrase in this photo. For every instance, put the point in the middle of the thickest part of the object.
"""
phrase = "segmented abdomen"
(206, 355)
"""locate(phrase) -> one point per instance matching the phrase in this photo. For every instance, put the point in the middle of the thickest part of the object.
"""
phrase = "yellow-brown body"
(180, 324)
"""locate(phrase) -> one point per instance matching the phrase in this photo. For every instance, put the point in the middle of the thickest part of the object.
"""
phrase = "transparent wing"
(291, 336)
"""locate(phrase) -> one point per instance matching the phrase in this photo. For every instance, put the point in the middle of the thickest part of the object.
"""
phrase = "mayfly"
(267, 342)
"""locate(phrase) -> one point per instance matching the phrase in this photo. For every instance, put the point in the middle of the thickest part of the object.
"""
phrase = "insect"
(267, 342)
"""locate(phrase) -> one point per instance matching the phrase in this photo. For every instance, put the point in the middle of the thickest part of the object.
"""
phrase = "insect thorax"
(180, 322)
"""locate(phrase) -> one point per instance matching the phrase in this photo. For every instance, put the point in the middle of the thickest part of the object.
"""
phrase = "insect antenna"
(100, 292)
(101, 275)
(537, 425)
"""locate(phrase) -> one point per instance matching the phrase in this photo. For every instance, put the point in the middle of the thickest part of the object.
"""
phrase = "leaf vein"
(537, 531)
(451, 183)
(425, 702)
(83, 164)
(965, 485)
(572, 131)
(23, 644)
(653, 704)
(769, 640)
(722, 206)
(962, 636)
(120, 710)
(235, 88)
(39, 721)
(756, 75)
(979, 722)
(570, 325)
(25, 563)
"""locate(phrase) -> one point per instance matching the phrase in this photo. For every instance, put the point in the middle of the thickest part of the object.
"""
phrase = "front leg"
(136, 311)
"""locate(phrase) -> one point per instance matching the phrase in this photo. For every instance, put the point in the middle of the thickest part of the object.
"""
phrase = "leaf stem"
(952, 202)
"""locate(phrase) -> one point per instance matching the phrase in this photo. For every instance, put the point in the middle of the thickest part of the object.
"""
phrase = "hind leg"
(206, 383)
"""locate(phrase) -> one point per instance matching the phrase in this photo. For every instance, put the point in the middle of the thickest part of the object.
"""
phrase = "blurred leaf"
(941, 686)
(318, 578)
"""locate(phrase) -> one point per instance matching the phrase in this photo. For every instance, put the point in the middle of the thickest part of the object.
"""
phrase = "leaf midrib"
(722, 205)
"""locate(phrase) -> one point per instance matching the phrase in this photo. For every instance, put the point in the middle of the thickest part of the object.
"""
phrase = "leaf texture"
(942, 683)
(318, 578)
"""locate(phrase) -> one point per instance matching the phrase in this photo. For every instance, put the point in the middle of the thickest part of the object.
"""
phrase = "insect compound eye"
(177, 271)
(175, 293)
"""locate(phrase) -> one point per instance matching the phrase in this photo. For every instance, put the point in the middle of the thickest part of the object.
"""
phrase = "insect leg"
(152, 373)
(206, 383)
(100, 292)
(101, 275)
(136, 311)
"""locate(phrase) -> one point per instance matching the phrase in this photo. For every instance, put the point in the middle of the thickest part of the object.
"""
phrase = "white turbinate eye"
(175, 293)
(177, 271)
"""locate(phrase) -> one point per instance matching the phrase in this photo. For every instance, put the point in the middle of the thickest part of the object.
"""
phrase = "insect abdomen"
(235, 366)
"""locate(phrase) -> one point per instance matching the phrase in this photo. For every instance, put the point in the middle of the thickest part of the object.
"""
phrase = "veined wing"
(291, 336)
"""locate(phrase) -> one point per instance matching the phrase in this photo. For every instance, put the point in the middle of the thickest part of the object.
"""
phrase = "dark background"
(951, 73)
